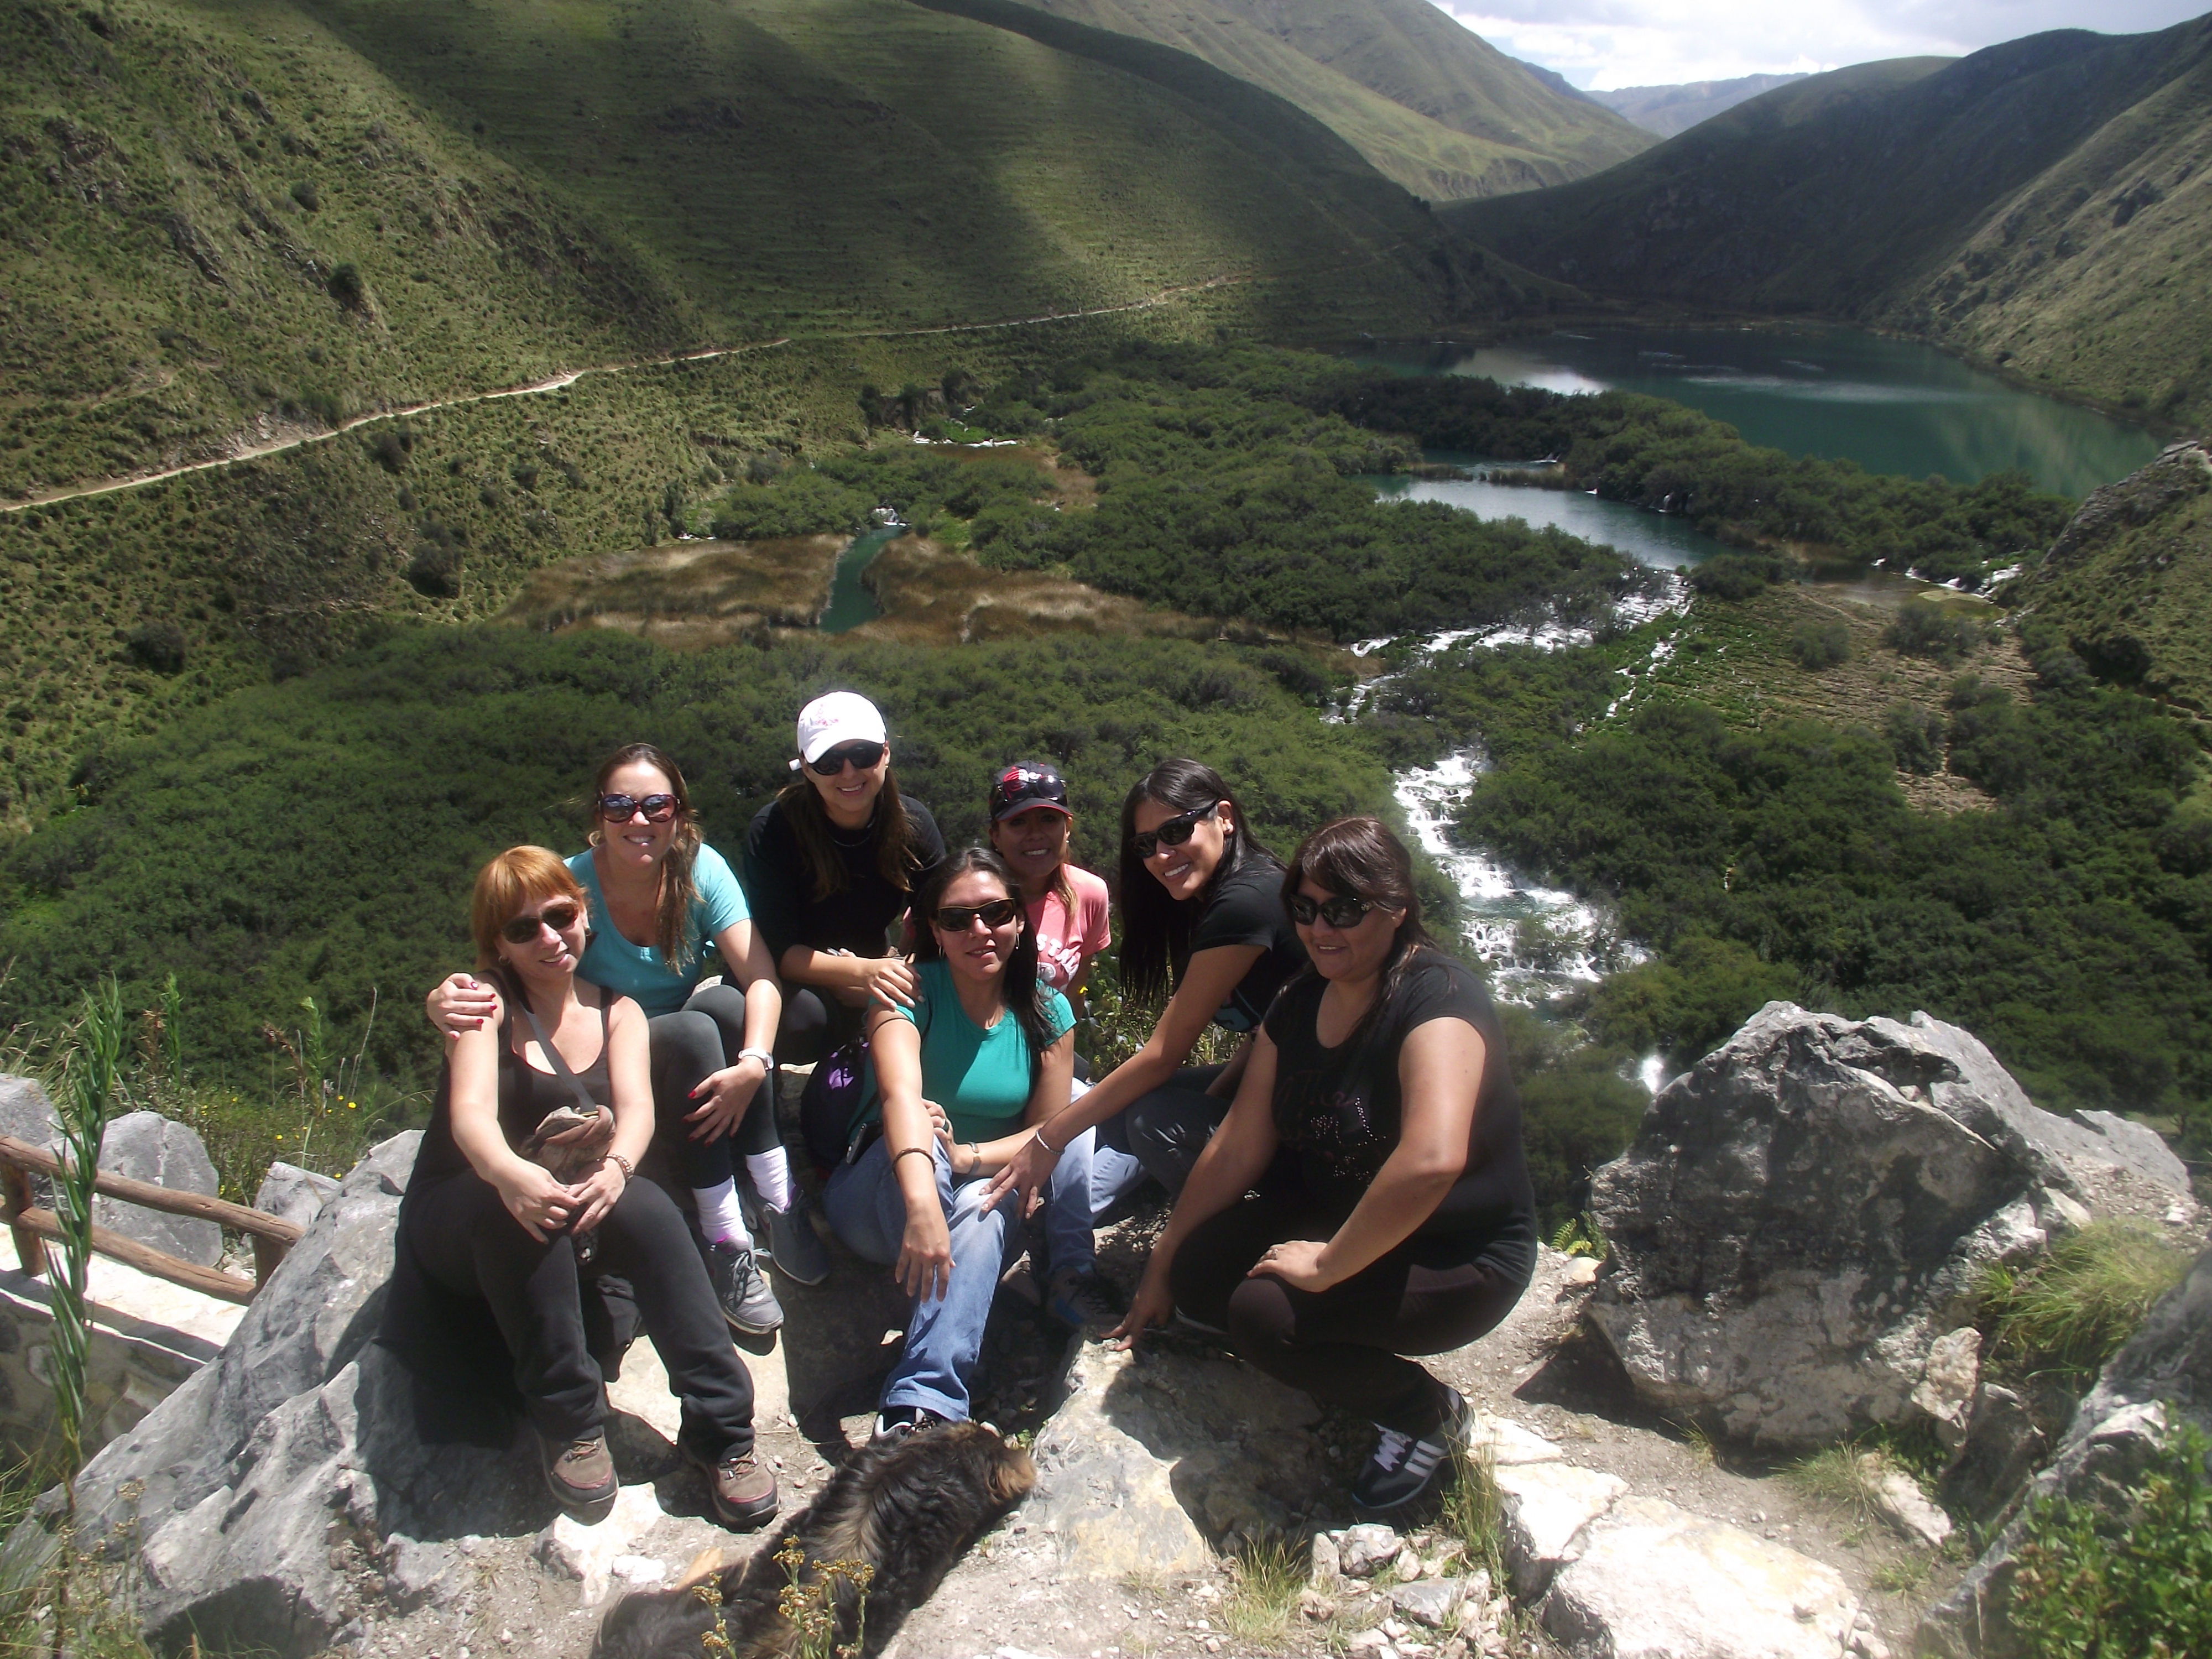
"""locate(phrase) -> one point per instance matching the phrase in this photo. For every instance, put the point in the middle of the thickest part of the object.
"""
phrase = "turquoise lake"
(1891, 405)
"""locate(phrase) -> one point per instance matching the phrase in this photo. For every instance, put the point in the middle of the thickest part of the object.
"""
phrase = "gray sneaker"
(795, 1249)
(742, 1289)
(1080, 1301)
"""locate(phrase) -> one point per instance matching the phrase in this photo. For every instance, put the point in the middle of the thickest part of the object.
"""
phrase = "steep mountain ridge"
(221, 223)
(1428, 102)
(1669, 109)
(1980, 203)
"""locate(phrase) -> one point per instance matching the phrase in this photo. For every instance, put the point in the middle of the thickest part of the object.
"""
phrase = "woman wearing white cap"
(831, 865)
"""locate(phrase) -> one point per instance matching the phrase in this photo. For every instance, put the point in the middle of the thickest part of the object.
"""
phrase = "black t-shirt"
(1337, 1110)
(781, 889)
(1247, 908)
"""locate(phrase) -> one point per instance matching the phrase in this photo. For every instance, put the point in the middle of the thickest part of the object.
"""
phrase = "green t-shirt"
(982, 1078)
(640, 971)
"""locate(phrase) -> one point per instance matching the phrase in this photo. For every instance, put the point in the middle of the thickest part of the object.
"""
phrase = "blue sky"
(1604, 44)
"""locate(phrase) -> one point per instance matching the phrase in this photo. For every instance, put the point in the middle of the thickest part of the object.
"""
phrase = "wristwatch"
(766, 1059)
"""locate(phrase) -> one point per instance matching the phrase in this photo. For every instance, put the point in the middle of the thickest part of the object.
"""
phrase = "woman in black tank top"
(1367, 1198)
(482, 1229)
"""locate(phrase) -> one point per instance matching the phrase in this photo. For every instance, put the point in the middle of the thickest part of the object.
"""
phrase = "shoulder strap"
(584, 1101)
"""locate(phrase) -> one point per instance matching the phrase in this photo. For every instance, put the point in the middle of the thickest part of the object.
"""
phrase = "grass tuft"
(2073, 1309)
(1258, 1612)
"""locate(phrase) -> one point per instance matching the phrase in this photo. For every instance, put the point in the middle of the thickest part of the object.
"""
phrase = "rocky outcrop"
(265, 1492)
(1806, 1212)
(2166, 1369)
(147, 1146)
(292, 1194)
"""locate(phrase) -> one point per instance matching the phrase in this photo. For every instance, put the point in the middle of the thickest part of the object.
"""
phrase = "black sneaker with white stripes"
(1404, 1468)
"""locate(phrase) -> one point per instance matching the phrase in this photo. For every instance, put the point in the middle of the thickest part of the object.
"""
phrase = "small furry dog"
(908, 1508)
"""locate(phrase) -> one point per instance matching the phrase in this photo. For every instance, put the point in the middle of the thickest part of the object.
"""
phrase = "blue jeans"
(1096, 1170)
(945, 1335)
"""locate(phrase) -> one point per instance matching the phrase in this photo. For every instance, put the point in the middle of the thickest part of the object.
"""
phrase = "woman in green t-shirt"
(992, 1046)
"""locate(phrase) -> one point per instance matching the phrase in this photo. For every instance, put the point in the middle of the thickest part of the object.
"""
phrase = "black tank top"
(525, 1095)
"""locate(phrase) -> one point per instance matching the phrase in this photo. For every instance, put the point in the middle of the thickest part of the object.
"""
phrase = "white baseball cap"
(837, 717)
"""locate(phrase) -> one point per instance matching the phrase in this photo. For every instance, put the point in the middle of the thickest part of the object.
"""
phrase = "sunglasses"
(560, 917)
(1173, 833)
(861, 756)
(1342, 912)
(959, 918)
(619, 809)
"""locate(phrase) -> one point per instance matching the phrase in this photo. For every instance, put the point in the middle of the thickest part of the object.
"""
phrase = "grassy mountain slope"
(1429, 103)
(2128, 583)
(227, 220)
(2041, 203)
(1669, 109)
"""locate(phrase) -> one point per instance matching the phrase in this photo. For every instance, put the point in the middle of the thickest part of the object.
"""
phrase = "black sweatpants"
(1344, 1344)
(689, 1046)
(462, 1238)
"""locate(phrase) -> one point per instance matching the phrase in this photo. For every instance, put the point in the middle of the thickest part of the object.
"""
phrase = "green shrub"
(1814, 645)
(1928, 630)
(1737, 575)
(1915, 736)
(2131, 1584)
(2071, 1310)
(347, 287)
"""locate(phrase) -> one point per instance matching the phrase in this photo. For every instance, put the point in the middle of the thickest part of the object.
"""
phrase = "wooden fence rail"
(272, 1236)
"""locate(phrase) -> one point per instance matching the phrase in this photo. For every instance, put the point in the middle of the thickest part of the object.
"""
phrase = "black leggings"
(813, 1025)
(689, 1046)
(1342, 1346)
(462, 1238)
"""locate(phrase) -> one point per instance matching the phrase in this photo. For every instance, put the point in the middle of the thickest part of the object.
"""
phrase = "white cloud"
(1604, 44)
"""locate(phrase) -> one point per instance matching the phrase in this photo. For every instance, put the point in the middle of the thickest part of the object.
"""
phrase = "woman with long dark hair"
(489, 1236)
(1200, 907)
(659, 896)
(1367, 1198)
(982, 1039)
(832, 865)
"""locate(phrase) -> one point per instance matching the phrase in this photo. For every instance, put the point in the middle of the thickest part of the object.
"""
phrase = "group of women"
(1349, 1186)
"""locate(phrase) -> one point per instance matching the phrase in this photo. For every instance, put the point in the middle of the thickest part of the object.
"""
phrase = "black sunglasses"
(560, 917)
(1173, 833)
(959, 918)
(619, 809)
(1340, 912)
(860, 755)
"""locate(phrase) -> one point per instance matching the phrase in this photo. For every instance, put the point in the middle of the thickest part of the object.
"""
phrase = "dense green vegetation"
(1429, 103)
(318, 837)
(2126, 1581)
(2037, 205)
(2070, 927)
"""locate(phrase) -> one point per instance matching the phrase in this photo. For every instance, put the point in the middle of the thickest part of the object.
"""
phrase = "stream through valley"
(1890, 406)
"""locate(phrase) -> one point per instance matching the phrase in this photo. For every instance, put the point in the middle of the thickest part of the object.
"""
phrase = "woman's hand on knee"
(1026, 1172)
(724, 1097)
(599, 1194)
(1153, 1304)
(1297, 1262)
(925, 1262)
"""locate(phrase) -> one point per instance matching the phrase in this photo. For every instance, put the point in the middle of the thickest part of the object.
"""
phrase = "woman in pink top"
(1067, 909)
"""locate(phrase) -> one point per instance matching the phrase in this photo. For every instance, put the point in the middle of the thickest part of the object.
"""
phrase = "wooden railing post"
(14, 1199)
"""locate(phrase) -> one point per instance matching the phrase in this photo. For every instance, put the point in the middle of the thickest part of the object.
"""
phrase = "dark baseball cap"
(1027, 784)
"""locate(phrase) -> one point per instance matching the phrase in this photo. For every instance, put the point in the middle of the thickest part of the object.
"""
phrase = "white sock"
(771, 1173)
(721, 1217)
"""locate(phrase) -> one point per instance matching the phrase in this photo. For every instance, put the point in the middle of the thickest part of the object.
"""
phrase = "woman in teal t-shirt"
(991, 1045)
(660, 896)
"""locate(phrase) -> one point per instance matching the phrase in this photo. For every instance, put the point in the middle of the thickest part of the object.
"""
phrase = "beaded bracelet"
(628, 1168)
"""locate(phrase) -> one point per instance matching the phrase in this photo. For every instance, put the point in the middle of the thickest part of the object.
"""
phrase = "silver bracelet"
(766, 1059)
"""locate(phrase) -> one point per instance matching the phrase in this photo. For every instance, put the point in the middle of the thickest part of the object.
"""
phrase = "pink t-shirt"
(1064, 943)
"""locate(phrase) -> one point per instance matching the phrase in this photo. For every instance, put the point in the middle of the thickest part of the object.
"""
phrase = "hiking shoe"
(793, 1247)
(894, 1421)
(741, 1488)
(1080, 1300)
(1404, 1468)
(581, 1474)
(742, 1289)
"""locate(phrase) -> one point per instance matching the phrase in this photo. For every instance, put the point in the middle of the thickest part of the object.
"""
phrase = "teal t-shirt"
(639, 971)
(982, 1078)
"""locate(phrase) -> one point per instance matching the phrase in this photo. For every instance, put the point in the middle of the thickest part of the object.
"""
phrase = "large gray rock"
(25, 1113)
(265, 1486)
(1156, 1455)
(2118, 1429)
(292, 1194)
(147, 1146)
(1810, 1208)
